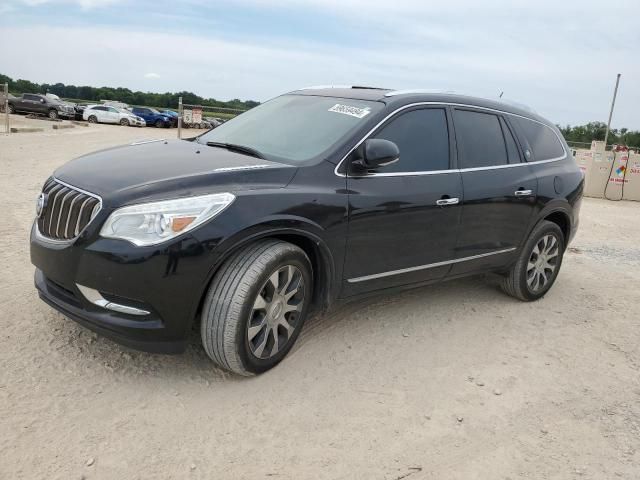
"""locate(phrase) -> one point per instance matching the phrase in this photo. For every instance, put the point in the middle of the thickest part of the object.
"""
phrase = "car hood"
(160, 169)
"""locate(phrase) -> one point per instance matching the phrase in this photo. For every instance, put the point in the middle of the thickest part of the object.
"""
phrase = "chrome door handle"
(523, 193)
(447, 201)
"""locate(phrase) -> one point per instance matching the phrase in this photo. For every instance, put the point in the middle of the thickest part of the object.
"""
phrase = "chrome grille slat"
(77, 230)
(64, 199)
(67, 211)
(66, 226)
(53, 207)
(49, 212)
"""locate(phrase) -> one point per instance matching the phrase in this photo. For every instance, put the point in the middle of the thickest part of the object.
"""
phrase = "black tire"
(53, 114)
(230, 306)
(159, 124)
(92, 119)
(517, 281)
(12, 109)
(124, 122)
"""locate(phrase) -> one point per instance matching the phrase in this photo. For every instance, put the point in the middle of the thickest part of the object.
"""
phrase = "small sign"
(351, 111)
(187, 116)
(196, 116)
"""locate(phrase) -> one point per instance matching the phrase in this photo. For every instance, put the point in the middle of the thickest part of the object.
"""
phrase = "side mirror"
(378, 153)
(42, 100)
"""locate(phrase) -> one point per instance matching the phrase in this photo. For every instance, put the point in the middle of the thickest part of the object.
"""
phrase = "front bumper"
(105, 323)
(167, 282)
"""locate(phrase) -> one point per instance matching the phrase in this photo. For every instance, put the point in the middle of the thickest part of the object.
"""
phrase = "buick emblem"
(41, 202)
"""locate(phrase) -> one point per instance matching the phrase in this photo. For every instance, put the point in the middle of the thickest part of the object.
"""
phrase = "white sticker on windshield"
(352, 111)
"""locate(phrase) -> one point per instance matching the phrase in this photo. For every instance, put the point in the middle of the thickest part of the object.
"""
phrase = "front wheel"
(256, 306)
(159, 124)
(53, 114)
(92, 119)
(124, 122)
(537, 267)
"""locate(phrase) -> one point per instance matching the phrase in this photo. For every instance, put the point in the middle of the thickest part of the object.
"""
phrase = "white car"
(107, 114)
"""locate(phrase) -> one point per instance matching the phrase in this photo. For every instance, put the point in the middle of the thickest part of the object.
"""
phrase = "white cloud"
(151, 75)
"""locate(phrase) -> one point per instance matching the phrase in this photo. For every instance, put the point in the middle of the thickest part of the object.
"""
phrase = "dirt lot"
(455, 381)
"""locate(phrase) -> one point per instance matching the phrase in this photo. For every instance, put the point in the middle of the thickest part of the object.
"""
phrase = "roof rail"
(320, 87)
(416, 90)
(361, 87)
(513, 103)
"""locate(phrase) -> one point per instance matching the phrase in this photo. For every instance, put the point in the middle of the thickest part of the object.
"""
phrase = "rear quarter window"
(543, 141)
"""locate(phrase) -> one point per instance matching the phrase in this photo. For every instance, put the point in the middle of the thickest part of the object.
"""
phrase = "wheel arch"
(562, 219)
(558, 213)
(322, 262)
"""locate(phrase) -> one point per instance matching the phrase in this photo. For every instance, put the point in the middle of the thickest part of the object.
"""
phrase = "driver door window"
(423, 140)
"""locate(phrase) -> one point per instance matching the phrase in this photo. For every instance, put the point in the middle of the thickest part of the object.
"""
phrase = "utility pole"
(6, 107)
(613, 102)
(179, 118)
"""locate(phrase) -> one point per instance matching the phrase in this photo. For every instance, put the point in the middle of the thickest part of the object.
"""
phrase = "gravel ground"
(453, 381)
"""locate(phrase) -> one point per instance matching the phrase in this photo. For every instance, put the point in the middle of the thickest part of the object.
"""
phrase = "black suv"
(314, 197)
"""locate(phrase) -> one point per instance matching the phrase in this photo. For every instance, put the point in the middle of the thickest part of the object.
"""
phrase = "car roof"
(398, 98)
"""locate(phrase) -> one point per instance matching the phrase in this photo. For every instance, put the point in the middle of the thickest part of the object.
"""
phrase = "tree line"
(576, 134)
(95, 94)
(596, 131)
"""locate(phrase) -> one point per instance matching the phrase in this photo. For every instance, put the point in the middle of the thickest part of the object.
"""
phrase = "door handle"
(447, 201)
(523, 193)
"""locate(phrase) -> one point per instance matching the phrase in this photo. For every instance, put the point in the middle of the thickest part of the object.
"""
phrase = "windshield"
(294, 128)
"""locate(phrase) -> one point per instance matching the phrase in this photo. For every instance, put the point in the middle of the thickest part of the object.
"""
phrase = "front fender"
(297, 230)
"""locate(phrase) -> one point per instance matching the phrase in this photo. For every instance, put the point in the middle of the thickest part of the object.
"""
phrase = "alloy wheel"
(275, 313)
(543, 263)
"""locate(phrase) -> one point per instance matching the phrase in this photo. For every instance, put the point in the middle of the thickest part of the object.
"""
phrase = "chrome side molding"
(424, 267)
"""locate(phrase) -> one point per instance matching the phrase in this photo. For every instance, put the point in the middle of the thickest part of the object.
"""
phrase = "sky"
(560, 57)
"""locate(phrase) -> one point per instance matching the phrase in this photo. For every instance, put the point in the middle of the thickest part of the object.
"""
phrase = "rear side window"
(480, 139)
(542, 140)
(422, 137)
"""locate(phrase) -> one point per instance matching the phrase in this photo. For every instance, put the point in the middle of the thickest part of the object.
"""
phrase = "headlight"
(157, 222)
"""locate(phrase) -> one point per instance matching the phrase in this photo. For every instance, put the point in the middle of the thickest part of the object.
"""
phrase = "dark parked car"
(172, 115)
(312, 198)
(153, 117)
(41, 105)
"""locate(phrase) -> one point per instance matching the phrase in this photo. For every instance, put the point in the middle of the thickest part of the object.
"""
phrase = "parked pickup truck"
(153, 117)
(42, 105)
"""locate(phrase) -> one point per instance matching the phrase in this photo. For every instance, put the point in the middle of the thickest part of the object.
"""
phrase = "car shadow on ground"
(378, 311)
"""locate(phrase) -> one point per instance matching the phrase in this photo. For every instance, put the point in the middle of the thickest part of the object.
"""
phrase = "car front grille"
(66, 211)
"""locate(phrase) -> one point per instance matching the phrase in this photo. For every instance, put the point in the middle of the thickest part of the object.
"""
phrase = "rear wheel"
(12, 109)
(538, 265)
(53, 114)
(124, 122)
(256, 306)
(92, 119)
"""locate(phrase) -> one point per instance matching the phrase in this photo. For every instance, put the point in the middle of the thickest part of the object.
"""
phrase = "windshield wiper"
(237, 148)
